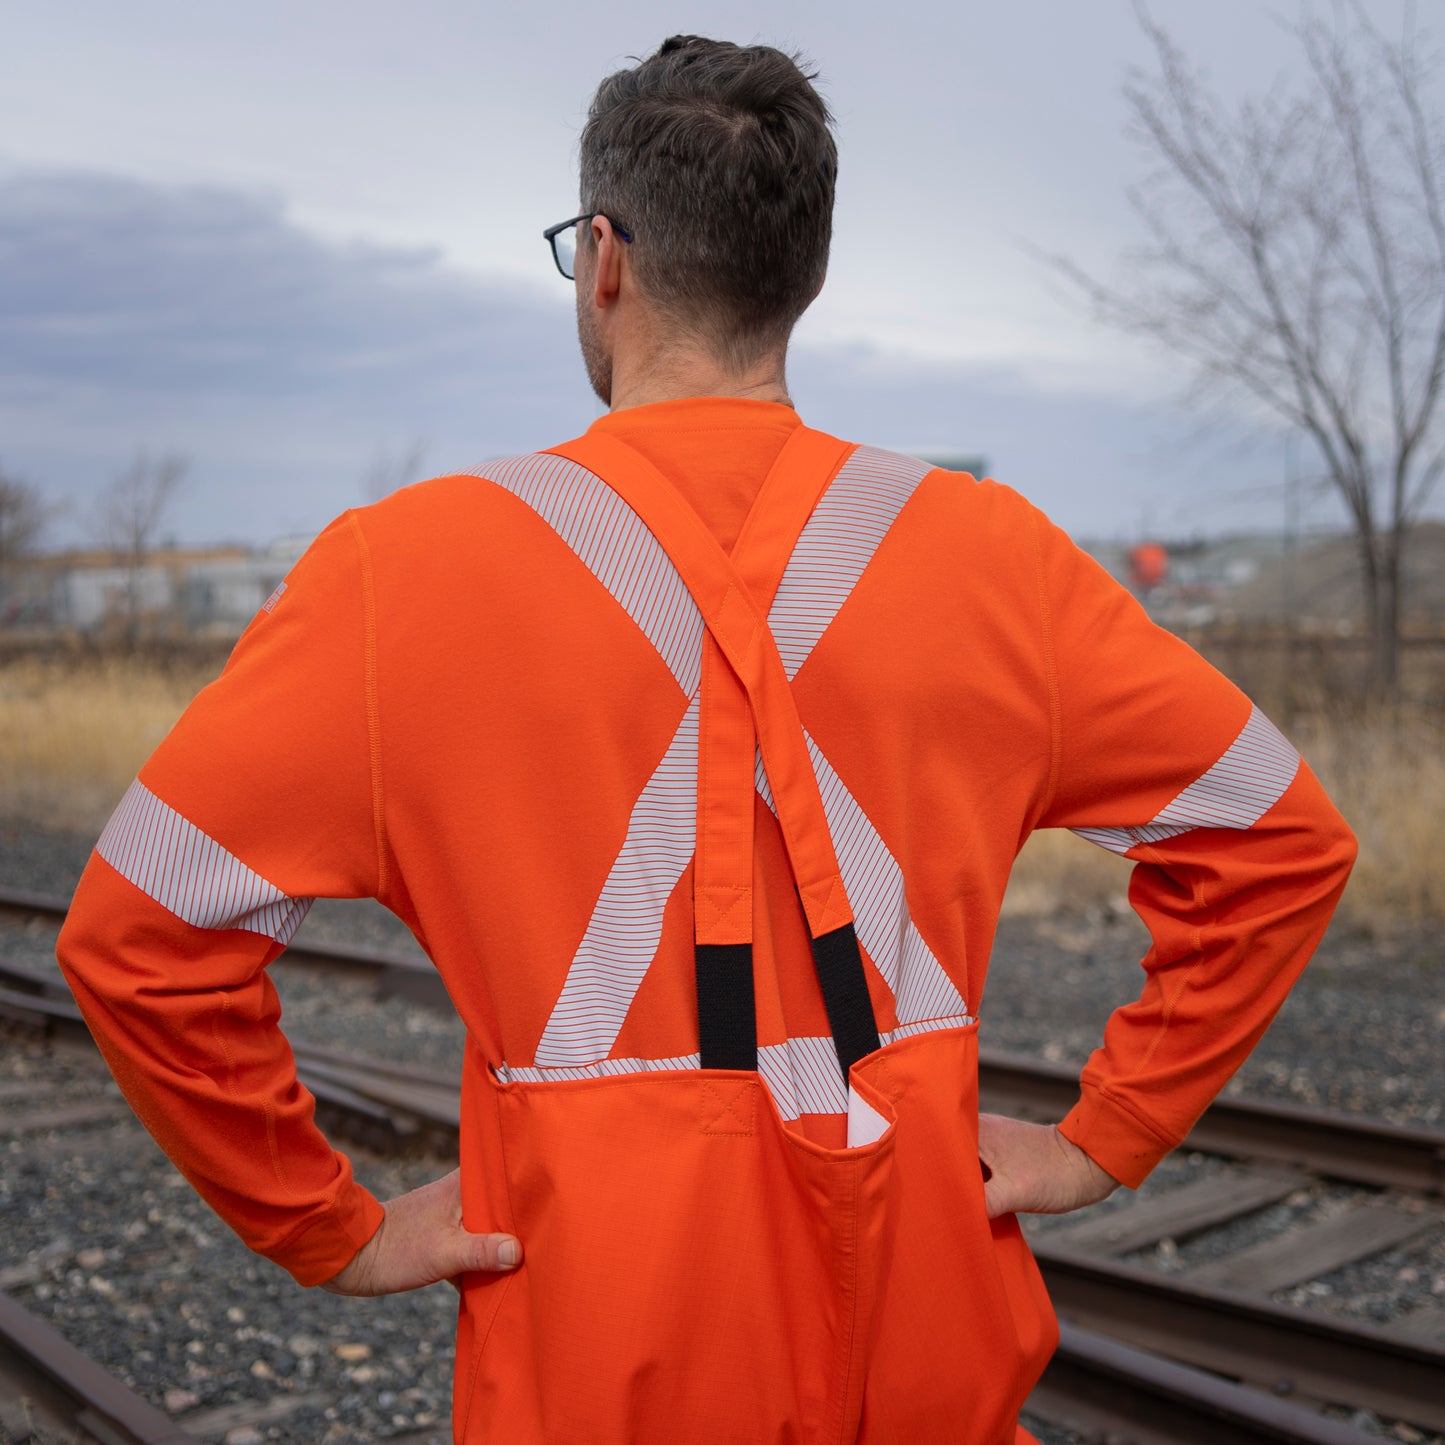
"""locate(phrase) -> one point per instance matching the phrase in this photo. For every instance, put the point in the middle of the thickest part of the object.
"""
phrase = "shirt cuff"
(1114, 1137)
(325, 1246)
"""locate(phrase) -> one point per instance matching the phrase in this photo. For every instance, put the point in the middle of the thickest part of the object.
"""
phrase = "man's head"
(719, 162)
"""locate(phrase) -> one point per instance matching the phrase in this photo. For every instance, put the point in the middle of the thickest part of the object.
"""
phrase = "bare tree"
(132, 510)
(23, 517)
(387, 472)
(1297, 258)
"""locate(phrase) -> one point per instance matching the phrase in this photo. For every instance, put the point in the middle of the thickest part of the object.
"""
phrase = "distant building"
(975, 466)
(212, 591)
(1204, 576)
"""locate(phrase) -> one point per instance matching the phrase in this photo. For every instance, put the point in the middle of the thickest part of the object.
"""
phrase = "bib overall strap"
(722, 871)
(747, 703)
(727, 743)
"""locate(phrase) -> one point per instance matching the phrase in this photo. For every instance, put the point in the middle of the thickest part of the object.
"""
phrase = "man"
(696, 753)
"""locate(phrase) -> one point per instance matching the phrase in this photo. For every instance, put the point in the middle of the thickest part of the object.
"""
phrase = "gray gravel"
(106, 1241)
(114, 1249)
(1363, 1032)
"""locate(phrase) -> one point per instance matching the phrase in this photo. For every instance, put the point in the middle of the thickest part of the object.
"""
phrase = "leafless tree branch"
(24, 515)
(131, 512)
(387, 473)
(1295, 256)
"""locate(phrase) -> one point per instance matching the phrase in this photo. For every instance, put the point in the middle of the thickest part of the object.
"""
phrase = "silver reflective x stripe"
(835, 547)
(621, 939)
(838, 542)
(801, 1074)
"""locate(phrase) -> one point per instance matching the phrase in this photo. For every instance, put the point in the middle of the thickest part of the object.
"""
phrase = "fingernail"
(509, 1253)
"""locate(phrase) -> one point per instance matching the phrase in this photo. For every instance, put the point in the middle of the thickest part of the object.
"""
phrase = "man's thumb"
(493, 1251)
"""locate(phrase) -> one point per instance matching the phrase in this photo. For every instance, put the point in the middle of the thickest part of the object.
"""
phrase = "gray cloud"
(1099, 465)
(197, 289)
(203, 320)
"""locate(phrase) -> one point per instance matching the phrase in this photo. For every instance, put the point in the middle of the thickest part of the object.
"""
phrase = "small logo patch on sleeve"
(269, 605)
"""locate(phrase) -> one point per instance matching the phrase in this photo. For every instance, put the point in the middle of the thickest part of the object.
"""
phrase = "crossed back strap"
(747, 705)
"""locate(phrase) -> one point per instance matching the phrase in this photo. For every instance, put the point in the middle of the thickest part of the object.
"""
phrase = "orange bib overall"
(698, 1269)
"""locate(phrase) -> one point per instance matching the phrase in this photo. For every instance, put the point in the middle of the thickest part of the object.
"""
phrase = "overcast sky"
(288, 239)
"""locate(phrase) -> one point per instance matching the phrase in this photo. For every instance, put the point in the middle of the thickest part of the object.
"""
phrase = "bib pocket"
(696, 1269)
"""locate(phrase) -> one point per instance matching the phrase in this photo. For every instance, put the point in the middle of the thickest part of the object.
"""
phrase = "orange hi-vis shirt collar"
(715, 450)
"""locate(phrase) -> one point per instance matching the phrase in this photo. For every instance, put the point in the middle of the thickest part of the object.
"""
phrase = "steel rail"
(18, 902)
(1287, 1350)
(108, 1412)
(1331, 1145)
(383, 1107)
(1095, 1384)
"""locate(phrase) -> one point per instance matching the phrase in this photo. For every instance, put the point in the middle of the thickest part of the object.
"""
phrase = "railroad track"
(48, 1387)
(1282, 1363)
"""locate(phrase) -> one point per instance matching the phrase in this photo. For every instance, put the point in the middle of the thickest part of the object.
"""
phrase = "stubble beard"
(594, 354)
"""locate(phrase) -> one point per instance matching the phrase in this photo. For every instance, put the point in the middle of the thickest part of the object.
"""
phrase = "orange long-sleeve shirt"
(445, 711)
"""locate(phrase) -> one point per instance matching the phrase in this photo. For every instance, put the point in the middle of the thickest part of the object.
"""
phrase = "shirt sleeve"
(264, 796)
(1239, 856)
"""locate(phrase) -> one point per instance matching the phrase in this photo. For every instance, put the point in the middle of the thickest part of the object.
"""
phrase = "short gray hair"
(719, 162)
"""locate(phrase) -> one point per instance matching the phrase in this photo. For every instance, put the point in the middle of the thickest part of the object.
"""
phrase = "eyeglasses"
(563, 239)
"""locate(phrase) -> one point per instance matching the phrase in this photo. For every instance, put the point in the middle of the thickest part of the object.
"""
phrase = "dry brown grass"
(1059, 873)
(73, 734)
(1385, 771)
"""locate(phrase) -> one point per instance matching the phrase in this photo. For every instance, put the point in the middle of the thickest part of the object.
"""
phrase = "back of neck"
(676, 375)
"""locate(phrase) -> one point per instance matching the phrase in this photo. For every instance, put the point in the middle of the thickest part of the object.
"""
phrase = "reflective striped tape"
(190, 874)
(615, 545)
(831, 554)
(1236, 792)
(626, 924)
(801, 1074)
(837, 544)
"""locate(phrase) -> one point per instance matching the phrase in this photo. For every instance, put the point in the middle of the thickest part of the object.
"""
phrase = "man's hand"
(1035, 1170)
(421, 1240)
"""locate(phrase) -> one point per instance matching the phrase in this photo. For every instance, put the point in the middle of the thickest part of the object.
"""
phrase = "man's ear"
(610, 251)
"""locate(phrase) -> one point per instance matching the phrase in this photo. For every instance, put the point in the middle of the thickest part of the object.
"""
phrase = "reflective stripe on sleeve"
(190, 874)
(1236, 792)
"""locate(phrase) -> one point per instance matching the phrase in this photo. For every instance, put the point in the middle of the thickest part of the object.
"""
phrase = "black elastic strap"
(726, 1020)
(839, 962)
